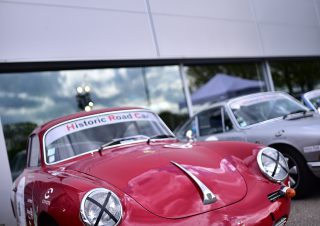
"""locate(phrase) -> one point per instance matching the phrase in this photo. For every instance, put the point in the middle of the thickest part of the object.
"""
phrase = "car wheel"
(299, 174)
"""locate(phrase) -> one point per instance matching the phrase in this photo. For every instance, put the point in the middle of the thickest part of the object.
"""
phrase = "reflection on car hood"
(145, 173)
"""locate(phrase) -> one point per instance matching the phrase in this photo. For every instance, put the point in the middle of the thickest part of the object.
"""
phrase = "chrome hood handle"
(208, 196)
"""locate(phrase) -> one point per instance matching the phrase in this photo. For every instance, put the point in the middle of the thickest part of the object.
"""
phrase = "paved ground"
(306, 212)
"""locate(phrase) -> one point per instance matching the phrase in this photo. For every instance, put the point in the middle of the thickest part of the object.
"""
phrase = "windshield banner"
(247, 101)
(98, 120)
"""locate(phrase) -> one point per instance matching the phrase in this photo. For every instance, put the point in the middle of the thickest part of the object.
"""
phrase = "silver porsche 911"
(273, 119)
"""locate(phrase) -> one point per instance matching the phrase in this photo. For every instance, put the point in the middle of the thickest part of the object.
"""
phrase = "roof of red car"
(56, 121)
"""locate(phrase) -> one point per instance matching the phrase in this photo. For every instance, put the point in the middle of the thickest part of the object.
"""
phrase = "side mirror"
(189, 136)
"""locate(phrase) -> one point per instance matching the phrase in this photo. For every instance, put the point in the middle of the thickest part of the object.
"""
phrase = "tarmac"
(306, 211)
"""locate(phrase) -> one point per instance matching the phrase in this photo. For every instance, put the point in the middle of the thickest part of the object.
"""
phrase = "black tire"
(300, 176)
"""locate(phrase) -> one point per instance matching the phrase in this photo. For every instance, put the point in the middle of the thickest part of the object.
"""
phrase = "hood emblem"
(207, 195)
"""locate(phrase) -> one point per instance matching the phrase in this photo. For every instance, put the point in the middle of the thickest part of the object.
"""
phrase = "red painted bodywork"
(152, 190)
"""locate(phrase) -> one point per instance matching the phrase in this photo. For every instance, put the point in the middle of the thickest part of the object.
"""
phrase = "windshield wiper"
(295, 112)
(159, 136)
(120, 140)
(137, 137)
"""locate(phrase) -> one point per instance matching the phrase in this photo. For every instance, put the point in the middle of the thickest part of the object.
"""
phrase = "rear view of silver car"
(273, 119)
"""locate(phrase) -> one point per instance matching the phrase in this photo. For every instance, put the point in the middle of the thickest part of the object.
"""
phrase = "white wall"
(58, 30)
(6, 215)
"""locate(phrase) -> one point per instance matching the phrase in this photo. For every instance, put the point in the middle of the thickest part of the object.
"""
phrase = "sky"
(41, 96)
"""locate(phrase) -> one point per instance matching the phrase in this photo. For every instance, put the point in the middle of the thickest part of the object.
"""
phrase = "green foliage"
(199, 75)
(296, 77)
(173, 120)
(292, 76)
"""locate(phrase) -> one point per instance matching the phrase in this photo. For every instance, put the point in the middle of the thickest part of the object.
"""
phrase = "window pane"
(30, 99)
(227, 121)
(34, 150)
(191, 125)
(165, 94)
(213, 83)
(210, 122)
(296, 77)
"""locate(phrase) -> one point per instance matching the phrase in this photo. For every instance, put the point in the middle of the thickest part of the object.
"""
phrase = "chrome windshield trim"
(208, 196)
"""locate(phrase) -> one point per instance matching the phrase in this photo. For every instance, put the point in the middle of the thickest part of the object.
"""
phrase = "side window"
(34, 152)
(191, 125)
(210, 122)
(227, 121)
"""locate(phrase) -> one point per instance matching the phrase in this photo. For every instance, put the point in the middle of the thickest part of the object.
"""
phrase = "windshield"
(316, 102)
(82, 135)
(254, 109)
(314, 98)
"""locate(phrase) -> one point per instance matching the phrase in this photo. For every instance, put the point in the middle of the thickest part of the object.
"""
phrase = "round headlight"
(272, 164)
(101, 207)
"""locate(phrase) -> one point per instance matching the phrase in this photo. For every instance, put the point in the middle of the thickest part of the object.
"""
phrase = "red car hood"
(145, 173)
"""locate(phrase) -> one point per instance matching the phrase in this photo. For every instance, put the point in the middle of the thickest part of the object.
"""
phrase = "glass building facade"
(174, 92)
(295, 76)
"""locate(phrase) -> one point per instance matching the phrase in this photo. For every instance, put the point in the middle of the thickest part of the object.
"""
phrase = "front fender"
(61, 197)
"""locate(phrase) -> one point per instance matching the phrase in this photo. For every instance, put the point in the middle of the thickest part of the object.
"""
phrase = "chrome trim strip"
(314, 164)
(179, 145)
(208, 196)
(281, 222)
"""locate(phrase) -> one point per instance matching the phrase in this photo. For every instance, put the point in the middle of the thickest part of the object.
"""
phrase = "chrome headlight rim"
(263, 169)
(93, 191)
